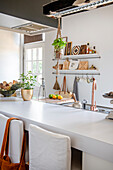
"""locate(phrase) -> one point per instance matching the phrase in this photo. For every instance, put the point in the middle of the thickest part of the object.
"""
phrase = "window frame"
(35, 45)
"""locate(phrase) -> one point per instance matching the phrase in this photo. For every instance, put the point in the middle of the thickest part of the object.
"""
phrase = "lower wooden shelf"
(78, 72)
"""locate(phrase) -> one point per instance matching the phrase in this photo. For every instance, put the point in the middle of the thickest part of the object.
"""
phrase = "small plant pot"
(27, 94)
(58, 54)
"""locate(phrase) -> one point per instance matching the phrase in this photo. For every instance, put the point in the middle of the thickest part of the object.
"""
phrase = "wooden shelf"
(81, 56)
(78, 72)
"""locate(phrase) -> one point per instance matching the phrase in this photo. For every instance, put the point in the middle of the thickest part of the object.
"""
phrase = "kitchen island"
(89, 131)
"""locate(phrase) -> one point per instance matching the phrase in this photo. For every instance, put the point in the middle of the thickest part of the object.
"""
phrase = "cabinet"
(90, 162)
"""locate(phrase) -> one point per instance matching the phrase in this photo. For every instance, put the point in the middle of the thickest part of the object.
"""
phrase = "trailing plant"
(59, 44)
(28, 81)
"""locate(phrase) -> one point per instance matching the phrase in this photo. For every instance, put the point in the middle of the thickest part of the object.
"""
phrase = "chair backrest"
(15, 137)
(48, 151)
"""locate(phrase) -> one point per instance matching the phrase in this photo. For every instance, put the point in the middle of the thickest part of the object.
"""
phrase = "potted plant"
(27, 83)
(58, 44)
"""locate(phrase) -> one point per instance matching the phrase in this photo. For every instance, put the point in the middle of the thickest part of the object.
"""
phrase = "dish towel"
(75, 88)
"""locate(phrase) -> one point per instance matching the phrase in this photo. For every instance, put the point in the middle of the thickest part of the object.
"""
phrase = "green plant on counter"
(59, 44)
(28, 81)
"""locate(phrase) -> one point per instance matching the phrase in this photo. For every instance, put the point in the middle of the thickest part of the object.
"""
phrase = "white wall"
(9, 56)
(95, 27)
(49, 53)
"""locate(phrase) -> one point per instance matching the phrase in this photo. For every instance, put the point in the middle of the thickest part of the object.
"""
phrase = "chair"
(15, 137)
(48, 151)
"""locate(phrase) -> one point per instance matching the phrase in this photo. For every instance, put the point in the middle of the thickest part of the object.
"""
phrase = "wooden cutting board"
(56, 101)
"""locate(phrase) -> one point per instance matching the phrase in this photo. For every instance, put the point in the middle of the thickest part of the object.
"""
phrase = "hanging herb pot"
(58, 44)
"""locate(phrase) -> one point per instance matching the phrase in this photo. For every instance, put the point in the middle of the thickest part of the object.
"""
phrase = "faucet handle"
(84, 102)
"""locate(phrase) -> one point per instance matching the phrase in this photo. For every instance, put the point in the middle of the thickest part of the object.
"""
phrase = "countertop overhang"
(89, 131)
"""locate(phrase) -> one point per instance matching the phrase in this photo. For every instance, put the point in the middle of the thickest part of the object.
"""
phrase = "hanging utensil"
(75, 88)
(91, 80)
(77, 79)
(88, 79)
(64, 85)
(56, 85)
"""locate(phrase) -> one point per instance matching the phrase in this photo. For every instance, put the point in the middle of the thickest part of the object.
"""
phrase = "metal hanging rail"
(78, 58)
(78, 74)
(84, 7)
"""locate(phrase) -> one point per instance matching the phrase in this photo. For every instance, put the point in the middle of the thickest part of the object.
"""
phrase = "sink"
(101, 109)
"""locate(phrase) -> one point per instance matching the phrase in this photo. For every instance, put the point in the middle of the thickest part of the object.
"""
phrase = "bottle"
(94, 49)
(90, 51)
(88, 48)
(42, 90)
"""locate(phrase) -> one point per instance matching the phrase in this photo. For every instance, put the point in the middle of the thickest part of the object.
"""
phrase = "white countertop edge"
(86, 144)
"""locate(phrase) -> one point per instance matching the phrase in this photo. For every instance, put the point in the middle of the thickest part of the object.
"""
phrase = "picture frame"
(66, 40)
(73, 65)
(69, 48)
(83, 49)
(76, 50)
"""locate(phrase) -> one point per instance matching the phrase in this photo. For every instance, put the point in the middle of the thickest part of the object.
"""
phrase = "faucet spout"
(94, 87)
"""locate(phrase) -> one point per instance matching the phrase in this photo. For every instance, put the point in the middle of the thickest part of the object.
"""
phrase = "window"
(34, 60)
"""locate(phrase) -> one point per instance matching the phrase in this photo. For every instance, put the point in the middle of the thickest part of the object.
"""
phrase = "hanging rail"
(78, 73)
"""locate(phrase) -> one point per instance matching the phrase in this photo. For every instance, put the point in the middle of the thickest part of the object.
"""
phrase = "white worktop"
(89, 131)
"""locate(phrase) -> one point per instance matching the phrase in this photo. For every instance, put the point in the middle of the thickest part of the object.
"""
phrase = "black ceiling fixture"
(57, 6)
(31, 10)
(61, 8)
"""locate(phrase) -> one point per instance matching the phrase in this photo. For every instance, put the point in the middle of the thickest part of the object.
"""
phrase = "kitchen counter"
(90, 132)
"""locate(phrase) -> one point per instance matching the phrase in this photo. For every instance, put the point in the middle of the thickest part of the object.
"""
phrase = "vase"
(27, 94)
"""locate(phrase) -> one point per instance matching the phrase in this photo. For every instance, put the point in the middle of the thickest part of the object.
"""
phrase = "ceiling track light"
(87, 6)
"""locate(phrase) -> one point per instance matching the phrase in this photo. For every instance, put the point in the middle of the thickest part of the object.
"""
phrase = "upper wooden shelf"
(81, 56)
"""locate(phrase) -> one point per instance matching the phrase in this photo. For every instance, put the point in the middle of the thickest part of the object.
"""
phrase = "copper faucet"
(94, 87)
